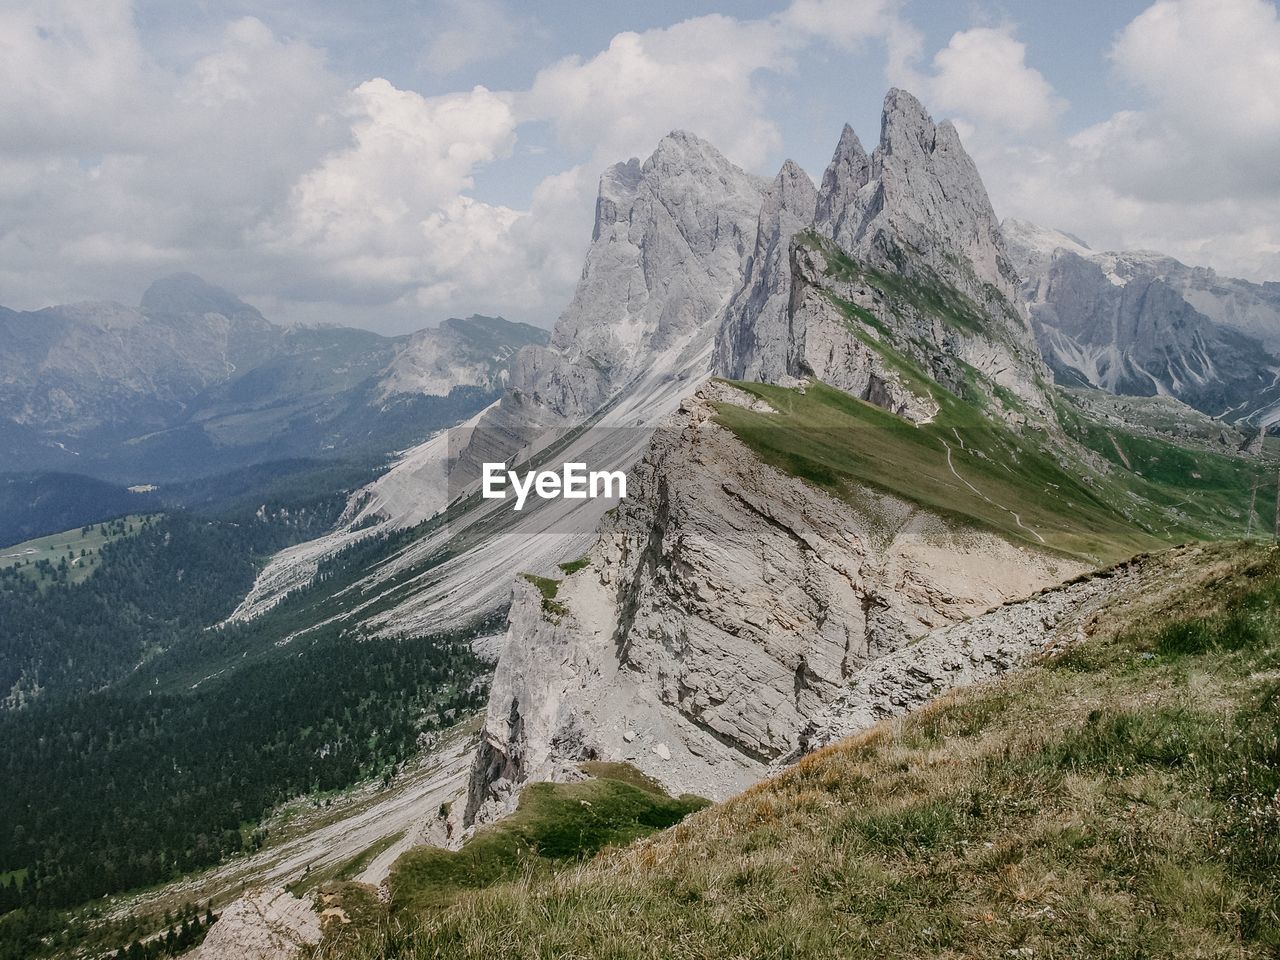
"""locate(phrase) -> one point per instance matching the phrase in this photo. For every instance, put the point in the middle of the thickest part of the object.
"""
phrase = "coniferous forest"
(138, 745)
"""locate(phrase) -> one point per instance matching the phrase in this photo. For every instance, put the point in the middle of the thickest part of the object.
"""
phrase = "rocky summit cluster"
(728, 602)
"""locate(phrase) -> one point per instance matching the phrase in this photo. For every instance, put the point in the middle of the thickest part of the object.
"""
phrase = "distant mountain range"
(1144, 324)
(195, 380)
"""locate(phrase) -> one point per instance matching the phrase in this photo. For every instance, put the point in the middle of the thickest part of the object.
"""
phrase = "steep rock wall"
(722, 606)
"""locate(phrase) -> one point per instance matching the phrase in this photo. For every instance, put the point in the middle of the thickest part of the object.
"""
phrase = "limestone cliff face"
(843, 199)
(270, 924)
(823, 346)
(754, 341)
(925, 196)
(669, 246)
(723, 605)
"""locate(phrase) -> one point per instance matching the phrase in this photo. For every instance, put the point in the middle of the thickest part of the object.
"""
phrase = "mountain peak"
(752, 342)
(1031, 247)
(839, 211)
(904, 119)
(792, 179)
(185, 293)
(682, 140)
(681, 151)
(930, 198)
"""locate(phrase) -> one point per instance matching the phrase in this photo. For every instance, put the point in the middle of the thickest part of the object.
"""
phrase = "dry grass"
(1118, 801)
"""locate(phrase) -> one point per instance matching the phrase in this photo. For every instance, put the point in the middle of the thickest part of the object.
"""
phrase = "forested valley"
(138, 745)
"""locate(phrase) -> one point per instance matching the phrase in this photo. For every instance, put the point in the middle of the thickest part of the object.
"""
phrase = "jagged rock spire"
(930, 198)
(752, 341)
(668, 248)
(839, 213)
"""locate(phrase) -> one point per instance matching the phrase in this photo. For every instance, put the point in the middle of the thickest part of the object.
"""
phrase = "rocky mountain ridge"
(906, 235)
(725, 603)
(194, 373)
(1144, 324)
(729, 607)
(722, 606)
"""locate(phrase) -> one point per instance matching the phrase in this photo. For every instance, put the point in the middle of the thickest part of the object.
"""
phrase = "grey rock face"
(924, 272)
(270, 924)
(822, 345)
(724, 604)
(1132, 323)
(753, 342)
(918, 195)
(670, 242)
(843, 200)
(963, 654)
(669, 245)
(929, 198)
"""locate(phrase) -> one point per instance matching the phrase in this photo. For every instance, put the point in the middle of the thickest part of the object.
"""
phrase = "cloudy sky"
(387, 164)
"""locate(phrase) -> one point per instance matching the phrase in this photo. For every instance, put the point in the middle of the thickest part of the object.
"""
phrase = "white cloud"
(467, 32)
(850, 24)
(1210, 70)
(982, 75)
(703, 75)
(358, 201)
(411, 158)
(69, 71)
(1187, 167)
(697, 75)
(388, 214)
(1212, 64)
(159, 167)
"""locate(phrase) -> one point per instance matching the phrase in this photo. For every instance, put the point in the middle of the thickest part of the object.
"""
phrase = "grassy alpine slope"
(1117, 800)
(1084, 486)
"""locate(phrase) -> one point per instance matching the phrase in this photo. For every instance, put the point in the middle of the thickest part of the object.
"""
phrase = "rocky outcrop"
(670, 242)
(826, 346)
(918, 197)
(929, 199)
(963, 654)
(723, 605)
(1143, 324)
(476, 352)
(754, 341)
(270, 924)
(686, 250)
(843, 200)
